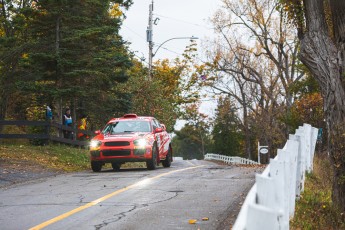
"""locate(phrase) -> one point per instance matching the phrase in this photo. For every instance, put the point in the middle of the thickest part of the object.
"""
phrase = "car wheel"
(116, 166)
(152, 163)
(167, 162)
(96, 166)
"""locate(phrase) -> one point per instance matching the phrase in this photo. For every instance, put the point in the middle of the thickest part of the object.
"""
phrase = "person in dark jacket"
(67, 120)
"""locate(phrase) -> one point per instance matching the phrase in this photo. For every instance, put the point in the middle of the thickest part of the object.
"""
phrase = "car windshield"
(127, 126)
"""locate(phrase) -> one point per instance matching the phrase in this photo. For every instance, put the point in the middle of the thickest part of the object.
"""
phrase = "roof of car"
(131, 116)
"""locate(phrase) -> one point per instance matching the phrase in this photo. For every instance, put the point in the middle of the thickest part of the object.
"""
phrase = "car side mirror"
(158, 130)
(98, 132)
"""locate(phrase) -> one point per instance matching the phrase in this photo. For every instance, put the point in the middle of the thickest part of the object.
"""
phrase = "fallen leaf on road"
(192, 221)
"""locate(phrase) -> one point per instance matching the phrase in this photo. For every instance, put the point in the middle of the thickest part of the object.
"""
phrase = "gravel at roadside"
(14, 172)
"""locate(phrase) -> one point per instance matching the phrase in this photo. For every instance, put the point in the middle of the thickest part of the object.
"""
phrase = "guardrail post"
(271, 202)
(60, 130)
(277, 168)
(292, 149)
(48, 131)
(301, 161)
(261, 217)
(314, 134)
(307, 131)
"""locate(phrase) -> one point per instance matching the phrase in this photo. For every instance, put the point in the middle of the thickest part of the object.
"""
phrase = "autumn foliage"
(309, 109)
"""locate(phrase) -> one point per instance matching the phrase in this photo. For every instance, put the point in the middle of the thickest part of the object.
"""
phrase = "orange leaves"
(309, 109)
(294, 10)
(115, 11)
(193, 221)
(25, 55)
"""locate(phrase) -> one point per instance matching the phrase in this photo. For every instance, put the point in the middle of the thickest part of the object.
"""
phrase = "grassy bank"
(54, 156)
(315, 209)
(60, 157)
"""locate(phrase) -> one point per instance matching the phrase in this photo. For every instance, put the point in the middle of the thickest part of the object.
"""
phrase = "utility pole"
(149, 39)
(149, 35)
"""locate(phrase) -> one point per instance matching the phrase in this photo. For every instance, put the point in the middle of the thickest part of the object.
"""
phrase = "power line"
(213, 99)
(167, 49)
(182, 21)
(142, 59)
(135, 32)
(158, 44)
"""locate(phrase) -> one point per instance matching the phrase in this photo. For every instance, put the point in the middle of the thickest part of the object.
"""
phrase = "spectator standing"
(49, 113)
(82, 125)
(67, 120)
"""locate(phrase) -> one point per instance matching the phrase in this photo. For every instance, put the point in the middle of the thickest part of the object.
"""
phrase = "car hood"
(123, 136)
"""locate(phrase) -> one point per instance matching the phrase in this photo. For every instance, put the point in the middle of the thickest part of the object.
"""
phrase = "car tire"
(167, 162)
(116, 166)
(96, 166)
(152, 163)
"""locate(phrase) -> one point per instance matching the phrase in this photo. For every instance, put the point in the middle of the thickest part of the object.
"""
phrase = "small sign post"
(262, 150)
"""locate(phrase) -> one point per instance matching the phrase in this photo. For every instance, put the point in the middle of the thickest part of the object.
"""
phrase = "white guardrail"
(229, 160)
(271, 201)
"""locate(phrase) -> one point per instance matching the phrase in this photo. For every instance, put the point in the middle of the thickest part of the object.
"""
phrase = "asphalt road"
(166, 198)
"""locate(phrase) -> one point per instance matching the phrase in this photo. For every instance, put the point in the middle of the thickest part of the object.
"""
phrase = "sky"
(177, 18)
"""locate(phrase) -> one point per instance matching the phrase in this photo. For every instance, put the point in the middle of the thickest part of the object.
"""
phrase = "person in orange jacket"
(82, 125)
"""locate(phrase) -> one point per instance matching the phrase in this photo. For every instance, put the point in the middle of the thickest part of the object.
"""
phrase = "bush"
(315, 209)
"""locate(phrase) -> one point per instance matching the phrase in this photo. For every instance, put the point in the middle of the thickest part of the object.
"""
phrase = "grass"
(53, 156)
(315, 209)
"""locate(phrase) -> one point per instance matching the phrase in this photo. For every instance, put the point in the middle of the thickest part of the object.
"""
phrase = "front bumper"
(121, 155)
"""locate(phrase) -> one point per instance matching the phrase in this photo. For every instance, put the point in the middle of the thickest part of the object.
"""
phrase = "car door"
(155, 124)
(165, 140)
(160, 138)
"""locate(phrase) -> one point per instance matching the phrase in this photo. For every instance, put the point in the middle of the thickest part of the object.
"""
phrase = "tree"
(227, 133)
(166, 93)
(153, 97)
(307, 106)
(13, 44)
(191, 143)
(321, 31)
(272, 42)
(63, 53)
(308, 109)
(253, 61)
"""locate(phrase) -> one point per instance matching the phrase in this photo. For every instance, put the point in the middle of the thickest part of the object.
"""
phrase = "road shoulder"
(14, 172)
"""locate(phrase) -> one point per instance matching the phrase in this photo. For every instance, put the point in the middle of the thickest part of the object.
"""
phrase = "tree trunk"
(247, 143)
(247, 132)
(323, 57)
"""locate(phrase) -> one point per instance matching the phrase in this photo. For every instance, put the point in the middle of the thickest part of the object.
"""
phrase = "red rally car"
(131, 138)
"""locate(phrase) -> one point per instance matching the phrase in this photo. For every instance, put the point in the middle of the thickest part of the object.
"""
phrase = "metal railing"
(229, 159)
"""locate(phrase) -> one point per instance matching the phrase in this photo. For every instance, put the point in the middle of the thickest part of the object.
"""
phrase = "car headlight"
(95, 144)
(140, 142)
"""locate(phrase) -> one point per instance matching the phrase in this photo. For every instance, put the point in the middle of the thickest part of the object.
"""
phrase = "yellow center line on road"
(190, 163)
(92, 203)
